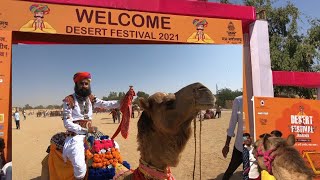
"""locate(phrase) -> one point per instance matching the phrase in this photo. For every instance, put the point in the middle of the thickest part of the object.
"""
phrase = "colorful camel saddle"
(103, 157)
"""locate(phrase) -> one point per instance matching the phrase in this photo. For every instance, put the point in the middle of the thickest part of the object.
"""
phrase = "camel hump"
(70, 100)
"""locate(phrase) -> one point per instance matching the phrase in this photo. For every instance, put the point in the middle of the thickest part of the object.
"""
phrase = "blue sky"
(42, 74)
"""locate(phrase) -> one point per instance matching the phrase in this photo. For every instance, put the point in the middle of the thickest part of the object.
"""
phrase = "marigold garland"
(102, 157)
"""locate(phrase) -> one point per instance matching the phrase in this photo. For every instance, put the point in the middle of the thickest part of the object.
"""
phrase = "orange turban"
(80, 76)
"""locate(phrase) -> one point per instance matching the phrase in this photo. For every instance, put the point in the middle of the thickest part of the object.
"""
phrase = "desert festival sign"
(112, 23)
(300, 117)
(5, 88)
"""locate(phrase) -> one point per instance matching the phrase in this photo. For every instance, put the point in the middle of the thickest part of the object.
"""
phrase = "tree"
(142, 95)
(226, 94)
(27, 106)
(289, 49)
(39, 107)
(114, 96)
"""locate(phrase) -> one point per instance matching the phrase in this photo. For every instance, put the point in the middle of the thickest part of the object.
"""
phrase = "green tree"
(50, 107)
(114, 96)
(27, 106)
(140, 94)
(289, 49)
(39, 107)
(226, 94)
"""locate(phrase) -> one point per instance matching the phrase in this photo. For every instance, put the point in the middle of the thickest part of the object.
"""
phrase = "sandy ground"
(31, 141)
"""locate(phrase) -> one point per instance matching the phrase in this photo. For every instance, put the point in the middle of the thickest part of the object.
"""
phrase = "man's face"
(247, 140)
(83, 88)
(200, 27)
(38, 15)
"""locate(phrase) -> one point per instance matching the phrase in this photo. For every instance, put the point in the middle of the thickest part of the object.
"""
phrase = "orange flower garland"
(104, 160)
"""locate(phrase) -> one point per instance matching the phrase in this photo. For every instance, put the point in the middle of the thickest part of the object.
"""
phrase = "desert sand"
(31, 141)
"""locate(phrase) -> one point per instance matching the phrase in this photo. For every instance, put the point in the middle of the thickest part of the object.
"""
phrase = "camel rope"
(200, 146)
(195, 144)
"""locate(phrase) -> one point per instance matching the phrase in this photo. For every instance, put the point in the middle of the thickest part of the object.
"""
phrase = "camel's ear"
(291, 140)
(144, 104)
(266, 143)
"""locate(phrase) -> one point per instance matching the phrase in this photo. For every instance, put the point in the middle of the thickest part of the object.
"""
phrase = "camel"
(166, 120)
(278, 156)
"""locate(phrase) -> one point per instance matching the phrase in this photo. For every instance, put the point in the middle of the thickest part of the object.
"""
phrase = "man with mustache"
(38, 24)
(77, 117)
(200, 36)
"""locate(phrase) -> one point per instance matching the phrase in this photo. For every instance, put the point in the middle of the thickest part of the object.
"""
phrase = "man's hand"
(225, 151)
(92, 129)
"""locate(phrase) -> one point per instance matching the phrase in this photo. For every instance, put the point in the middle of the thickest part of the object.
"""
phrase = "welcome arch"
(134, 22)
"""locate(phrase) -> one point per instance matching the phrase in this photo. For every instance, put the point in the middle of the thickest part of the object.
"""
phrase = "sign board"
(113, 23)
(300, 117)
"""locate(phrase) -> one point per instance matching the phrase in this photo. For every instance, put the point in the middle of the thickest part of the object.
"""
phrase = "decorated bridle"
(267, 157)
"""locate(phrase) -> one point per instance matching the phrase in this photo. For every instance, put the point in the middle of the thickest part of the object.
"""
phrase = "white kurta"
(237, 118)
(74, 146)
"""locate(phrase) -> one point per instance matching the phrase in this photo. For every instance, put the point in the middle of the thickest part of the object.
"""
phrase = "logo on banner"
(231, 29)
(302, 124)
(38, 22)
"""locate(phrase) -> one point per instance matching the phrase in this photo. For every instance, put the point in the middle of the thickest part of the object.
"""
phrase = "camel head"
(278, 156)
(267, 146)
(165, 124)
(169, 111)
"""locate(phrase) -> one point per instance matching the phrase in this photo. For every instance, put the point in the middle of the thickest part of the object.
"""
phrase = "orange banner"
(5, 89)
(102, 22)
(300, 117)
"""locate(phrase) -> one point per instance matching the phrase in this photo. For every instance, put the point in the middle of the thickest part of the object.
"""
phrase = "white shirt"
(8, 175)
(236, 117)
(254, 172)
(70, 115)
(16, 116)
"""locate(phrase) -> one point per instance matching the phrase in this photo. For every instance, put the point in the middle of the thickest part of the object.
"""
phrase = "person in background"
(276, 133)
(236, 118)
(250, 165)
(218, 112)
(16, 116)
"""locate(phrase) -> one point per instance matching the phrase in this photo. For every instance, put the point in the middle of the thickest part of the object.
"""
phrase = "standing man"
(218, 112)
(236, 118)
(24, 114)
(17, 118)
(118, 114)
(77, 117)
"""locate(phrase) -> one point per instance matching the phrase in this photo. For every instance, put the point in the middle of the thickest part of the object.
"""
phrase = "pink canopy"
(300, 79)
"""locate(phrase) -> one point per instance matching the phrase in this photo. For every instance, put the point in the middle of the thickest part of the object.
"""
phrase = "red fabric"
(300, 79)
(137, 175)
(80, 76)
(126, 109)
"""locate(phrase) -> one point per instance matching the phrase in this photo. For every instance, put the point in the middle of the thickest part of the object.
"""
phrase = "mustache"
(38, 16)
(82, 91)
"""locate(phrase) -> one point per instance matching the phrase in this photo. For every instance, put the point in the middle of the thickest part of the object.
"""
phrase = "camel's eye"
(170, 104)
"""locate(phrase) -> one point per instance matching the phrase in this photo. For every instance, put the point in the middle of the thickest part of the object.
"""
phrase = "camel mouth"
(204, 106)
(205, 103)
